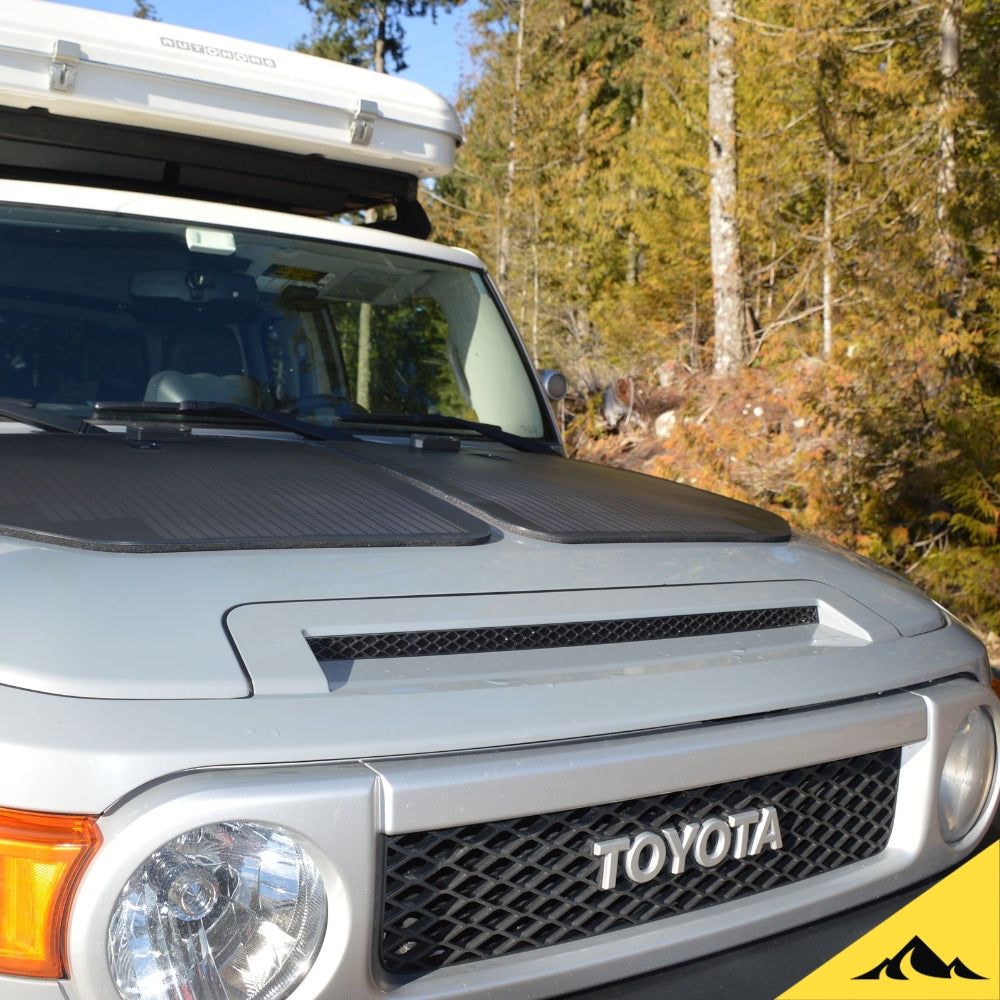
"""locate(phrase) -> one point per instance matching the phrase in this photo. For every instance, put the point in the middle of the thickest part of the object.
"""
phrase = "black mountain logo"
(922, 961)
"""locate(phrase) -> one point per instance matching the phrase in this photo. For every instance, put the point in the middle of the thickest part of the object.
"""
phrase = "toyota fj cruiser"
(323, 672)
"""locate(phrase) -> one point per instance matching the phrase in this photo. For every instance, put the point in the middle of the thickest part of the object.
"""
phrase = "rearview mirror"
(194, 285)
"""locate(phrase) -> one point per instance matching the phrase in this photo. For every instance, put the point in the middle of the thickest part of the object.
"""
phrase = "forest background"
(762, 240)
(856, 387)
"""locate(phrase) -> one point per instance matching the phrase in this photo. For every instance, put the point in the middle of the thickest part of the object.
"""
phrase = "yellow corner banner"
(944, 945)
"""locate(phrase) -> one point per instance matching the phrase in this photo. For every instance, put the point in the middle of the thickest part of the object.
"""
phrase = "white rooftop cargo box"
(196, 112)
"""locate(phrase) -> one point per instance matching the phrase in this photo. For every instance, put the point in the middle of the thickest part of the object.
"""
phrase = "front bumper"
(763, 970)
(339, 811)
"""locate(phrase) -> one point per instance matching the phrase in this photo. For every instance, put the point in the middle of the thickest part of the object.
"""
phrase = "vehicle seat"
(214, 350)
(206, 364)
(178, 387)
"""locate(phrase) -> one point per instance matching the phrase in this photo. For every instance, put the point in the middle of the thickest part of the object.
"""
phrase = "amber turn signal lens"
(41, 857)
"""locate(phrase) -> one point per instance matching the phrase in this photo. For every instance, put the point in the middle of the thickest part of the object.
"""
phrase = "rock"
(665, 424)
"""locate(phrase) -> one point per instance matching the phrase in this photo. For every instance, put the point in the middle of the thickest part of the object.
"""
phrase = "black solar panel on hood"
(212, 493)
(562, 500)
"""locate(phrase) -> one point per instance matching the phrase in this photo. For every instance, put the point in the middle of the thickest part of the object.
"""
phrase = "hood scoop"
(555, 635)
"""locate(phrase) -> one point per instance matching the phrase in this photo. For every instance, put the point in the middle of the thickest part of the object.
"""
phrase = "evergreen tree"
(869, 220)
(368, 33)
(655, 303)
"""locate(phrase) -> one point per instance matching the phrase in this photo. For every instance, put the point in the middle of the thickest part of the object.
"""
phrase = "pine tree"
(370, 33)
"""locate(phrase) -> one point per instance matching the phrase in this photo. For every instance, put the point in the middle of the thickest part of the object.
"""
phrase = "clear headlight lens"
(232, 911)
(967, 775)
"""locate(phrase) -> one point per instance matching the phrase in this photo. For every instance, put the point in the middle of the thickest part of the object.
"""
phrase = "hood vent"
(556, 635)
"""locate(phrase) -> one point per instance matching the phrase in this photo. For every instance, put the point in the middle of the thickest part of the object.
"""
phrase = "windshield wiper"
(24, 411)
(437, 420)
(208, 408)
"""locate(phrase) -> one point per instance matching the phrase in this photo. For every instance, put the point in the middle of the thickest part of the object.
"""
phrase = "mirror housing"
(554, 383)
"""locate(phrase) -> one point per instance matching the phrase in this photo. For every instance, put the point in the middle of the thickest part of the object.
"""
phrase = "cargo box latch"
(362, 125)
(66, 57)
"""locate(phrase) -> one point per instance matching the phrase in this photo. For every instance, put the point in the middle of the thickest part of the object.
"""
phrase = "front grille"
(480, 891)
(557, 635)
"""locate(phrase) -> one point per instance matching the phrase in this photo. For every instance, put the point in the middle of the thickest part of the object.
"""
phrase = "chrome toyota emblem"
(705, 844)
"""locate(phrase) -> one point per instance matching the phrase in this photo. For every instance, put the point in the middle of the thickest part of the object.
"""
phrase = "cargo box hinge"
(66, 57)
(362, 125)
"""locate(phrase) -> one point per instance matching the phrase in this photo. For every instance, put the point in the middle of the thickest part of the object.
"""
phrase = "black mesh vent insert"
(477, 892)
(516, 638)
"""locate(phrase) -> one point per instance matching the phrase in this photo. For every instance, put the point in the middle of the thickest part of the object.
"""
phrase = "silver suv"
(325, 674)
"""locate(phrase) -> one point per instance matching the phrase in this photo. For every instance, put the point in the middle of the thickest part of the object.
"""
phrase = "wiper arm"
(208, 408)
(24, 411)
(437, 420)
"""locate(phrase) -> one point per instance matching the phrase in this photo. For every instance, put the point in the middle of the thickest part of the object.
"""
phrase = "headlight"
(967, 775)
(228, 912)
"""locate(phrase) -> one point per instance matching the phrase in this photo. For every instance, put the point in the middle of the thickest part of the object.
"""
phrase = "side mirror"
(554, 383)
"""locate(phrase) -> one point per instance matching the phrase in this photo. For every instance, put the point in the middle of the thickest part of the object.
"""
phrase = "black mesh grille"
(514, 638)
(476, 892)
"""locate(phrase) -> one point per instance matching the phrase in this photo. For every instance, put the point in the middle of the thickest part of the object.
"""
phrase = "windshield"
(105, 308)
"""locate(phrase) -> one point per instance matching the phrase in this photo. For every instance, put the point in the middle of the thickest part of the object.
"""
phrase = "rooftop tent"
(103, 99)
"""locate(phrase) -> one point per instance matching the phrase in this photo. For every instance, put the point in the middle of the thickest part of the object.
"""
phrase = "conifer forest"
(762, 240)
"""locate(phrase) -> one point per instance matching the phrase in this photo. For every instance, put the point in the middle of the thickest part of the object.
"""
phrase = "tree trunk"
(536, 290)
(362, 391)
(587, 335)
(635, 126)
(379, 54)
(829, 253)
(727, 272)
(504, 249)
(948, 251)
